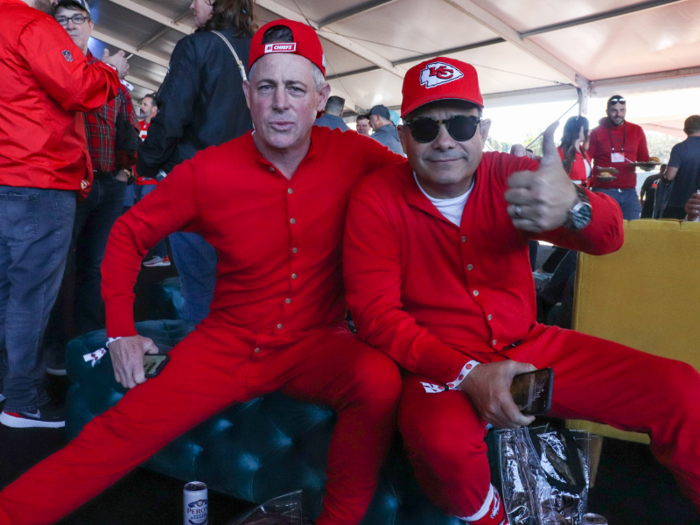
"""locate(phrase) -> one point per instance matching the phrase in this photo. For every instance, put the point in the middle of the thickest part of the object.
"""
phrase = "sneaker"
(157, 261)
(46, 416)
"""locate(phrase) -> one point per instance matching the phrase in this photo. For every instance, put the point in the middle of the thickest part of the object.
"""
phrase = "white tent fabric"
(523, 50)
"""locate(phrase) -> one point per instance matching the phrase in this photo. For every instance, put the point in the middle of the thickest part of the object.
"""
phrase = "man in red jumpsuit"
(273, 204)
(438, 276)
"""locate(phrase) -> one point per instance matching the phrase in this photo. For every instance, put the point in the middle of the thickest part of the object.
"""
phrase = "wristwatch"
(580, 215)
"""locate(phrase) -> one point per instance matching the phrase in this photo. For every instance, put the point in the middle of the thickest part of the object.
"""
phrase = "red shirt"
(433, 295)
(46, 82)
(629, 140)
(278, 241)
(578, 168)
(143, 129)
(101, 126)
(143, 133)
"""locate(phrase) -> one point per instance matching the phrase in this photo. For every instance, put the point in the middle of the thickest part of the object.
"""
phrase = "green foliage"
(660, 145)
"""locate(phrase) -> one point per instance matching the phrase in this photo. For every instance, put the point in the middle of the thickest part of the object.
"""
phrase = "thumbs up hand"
(540, 200)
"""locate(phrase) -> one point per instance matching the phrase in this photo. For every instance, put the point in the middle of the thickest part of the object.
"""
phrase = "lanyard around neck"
(624, 138)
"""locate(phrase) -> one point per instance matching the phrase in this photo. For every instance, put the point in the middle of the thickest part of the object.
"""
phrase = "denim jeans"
(196, 262)
(35, 236)
(628, 201)
(79, 308)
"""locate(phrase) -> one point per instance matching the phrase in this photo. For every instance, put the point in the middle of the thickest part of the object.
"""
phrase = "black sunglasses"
(460, 127)
(616, 100)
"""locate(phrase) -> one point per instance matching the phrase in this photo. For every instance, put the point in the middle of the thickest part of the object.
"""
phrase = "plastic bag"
(283, 510)
(545, 475)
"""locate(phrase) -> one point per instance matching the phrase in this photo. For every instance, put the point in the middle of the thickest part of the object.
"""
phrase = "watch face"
(581, 216)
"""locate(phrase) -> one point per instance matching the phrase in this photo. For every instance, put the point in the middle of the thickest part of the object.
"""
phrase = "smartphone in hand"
(153, 364)
(532, 392)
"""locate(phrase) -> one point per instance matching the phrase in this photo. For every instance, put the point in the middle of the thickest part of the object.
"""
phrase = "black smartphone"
(153, 364)
(532, 392)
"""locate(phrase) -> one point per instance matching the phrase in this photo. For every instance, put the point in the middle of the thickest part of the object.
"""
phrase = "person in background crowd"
(362, 125)
(437, 276)
(384, 129)
(615, 143)
(692, 207)
(647, 195)
(43, 164)
(332, 115)
(145, 185)
(277, 320)
(572, 149)
(200, 104)
(147, 110)
(684, 169)
(83, 311)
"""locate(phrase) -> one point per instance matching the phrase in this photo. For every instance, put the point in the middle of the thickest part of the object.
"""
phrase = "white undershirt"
(451, 208)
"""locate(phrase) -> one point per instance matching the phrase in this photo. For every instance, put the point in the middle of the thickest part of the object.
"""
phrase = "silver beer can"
(593, 519)
(195, 503)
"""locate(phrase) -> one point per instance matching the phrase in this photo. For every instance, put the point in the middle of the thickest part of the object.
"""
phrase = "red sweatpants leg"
(444, 438)
(602, 381)
(331, 366)
(205, 374)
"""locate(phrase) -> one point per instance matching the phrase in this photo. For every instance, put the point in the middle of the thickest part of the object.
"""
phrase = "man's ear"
(323, 96)
(484, 127)
(246, 92)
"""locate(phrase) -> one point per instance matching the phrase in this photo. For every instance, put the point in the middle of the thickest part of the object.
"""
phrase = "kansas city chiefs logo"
(438, 73)
(281, 48)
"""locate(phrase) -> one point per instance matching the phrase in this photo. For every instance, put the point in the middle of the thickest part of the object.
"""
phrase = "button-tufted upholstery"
(253, 451)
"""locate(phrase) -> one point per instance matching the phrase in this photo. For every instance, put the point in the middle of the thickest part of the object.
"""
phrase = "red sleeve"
(372, 271)
(172, 206)
(126, 107)
(642, 149)
(593, 145)
(605, 234)
(375, 155)
(63, 71)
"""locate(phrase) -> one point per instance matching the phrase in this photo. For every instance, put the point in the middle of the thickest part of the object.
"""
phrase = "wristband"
(468, 368)
(110, 340)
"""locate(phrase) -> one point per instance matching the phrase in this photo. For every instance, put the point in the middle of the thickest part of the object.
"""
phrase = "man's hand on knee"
(127, 359)
(488, 388)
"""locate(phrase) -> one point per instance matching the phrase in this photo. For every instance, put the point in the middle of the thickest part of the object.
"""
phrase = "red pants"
(594, 379)
(208, 371)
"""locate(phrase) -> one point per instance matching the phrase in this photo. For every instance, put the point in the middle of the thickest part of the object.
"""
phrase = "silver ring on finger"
(518, 212)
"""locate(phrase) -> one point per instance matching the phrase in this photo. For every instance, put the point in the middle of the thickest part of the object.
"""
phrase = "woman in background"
(572, 150)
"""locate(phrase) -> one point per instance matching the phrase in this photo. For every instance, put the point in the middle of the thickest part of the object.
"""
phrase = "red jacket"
(433, 295)
(278, 241)
(578, 168)
(46, 82)
(628, 139)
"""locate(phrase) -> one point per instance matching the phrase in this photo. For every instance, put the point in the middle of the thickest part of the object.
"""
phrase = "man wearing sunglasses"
(616, 143)
(438, 276)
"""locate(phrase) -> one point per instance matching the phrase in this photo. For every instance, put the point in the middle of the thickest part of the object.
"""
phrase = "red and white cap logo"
(290, 47)
(438, 73)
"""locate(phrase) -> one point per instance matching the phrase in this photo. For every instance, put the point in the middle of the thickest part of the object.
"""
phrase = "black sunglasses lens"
(424, 130)
(462, 128)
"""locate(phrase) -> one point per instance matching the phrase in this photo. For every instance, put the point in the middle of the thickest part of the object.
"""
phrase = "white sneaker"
(157, 261)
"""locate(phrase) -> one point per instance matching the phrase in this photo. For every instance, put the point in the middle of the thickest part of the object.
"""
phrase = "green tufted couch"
(252, 451)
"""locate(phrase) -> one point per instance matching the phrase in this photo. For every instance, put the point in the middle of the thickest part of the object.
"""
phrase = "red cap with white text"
(440, 78)
(305, 43)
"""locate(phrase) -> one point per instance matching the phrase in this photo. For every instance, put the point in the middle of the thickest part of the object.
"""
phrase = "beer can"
(593, 519)
(195, 503)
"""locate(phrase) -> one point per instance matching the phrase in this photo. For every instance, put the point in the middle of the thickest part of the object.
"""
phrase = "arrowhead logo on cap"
(438, 73)
(281, 48)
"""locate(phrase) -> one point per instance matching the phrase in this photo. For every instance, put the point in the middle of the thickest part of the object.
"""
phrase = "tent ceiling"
(515, 45)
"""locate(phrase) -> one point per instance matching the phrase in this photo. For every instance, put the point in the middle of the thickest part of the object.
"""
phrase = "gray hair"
(316, 73)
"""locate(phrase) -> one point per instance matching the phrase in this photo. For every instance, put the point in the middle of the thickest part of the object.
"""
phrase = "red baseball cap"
(440, 78)
(304, 42)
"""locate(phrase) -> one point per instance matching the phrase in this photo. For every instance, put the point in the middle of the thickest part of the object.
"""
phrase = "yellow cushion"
(646, 295)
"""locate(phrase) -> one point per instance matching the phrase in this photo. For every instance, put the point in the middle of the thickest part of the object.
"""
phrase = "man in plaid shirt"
(95, 216)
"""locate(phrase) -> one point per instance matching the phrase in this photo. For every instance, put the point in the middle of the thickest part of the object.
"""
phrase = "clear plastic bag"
(545, 475)
(283, 510)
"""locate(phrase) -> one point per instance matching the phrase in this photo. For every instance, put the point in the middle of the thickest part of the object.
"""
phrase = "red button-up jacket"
(279, 241)
(629, 140)
(433, 295)
(46, 82)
